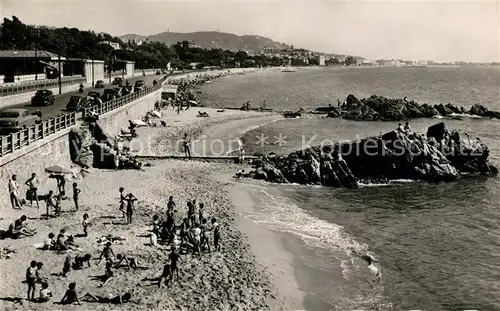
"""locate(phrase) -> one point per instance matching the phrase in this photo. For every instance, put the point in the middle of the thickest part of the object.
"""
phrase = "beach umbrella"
(192, 102)
(56, 169)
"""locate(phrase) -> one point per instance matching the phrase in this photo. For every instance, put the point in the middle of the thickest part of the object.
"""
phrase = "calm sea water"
(437, 245)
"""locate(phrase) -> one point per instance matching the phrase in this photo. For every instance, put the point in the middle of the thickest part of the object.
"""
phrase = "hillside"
(213, 39)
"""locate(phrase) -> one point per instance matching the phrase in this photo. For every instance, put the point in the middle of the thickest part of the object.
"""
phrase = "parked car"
(111, 93)
(139, 85)
(77, 103)
(99, 84)
(127, 90)
(43, 98)
(158, 72)
(94, 94)
(15, 119)
(118, 80)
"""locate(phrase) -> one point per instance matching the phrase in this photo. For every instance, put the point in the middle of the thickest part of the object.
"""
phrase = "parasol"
(193, 102)
(56, 169)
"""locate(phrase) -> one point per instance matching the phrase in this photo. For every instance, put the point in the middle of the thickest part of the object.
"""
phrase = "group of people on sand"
(406, 129)
(52, 200)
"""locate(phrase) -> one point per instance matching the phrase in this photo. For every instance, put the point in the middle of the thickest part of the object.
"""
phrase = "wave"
(282, 215)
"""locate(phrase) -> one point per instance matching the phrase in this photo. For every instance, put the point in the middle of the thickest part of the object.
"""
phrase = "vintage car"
(77, 103)
(43, 98)
(118, 80)
(139, 85)
(99, 84)
(111, 93)
(15, 119)
(158, 72)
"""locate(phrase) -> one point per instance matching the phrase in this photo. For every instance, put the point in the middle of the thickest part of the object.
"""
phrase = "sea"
(437, 246)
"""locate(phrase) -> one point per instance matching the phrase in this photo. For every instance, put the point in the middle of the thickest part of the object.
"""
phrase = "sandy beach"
(246, 274)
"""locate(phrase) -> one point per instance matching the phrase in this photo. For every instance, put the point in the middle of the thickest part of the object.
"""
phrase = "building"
(114, 45)
(321, 60)
(28, 65)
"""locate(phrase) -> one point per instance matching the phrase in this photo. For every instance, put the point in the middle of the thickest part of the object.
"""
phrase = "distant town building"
(321, 60)
(114, 45)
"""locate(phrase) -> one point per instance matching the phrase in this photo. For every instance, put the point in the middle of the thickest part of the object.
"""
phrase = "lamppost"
(35, 32)
(110, 64)
(93, 83)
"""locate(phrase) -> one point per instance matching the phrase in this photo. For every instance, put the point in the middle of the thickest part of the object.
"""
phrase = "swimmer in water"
(374, 269)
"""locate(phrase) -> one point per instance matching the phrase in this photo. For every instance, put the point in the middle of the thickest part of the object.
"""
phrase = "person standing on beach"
(216, 230)
(130, 207)
(241, 156)
(185, 143)
(174, 258)
(31, 280)
(76, 192)
(122, 201)
(32, 184)
(14, 192)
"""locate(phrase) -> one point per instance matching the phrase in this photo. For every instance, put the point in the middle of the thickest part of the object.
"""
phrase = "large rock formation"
(439, 156)
(90, 146)
(382, 108)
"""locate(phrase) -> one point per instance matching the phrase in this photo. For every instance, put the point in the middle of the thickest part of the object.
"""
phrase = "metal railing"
(119, 102)
(25, 137)
(17, 88)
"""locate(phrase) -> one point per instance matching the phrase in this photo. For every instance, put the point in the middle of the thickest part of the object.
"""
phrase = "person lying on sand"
(49, 243)
(130, 262)
(80, 260)
(70, 296)
(107, 253)
(119, 299)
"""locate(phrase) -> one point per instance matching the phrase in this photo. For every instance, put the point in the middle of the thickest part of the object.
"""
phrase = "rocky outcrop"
(439, 156)
(382, 108)
(90, 146)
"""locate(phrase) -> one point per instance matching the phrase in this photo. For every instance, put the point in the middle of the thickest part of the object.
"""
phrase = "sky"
(410, 30)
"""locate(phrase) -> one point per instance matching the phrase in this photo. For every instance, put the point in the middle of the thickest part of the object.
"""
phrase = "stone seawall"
(6, 101)
(54, 150)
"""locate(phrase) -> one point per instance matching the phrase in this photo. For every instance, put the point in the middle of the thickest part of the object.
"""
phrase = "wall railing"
(17, 88)
(27, 136)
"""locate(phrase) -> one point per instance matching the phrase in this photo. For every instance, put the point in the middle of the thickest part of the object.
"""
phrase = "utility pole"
(93, 56)
(59, 67)
(36, 34)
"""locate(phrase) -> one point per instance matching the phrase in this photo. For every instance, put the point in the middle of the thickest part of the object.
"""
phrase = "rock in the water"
(439, 157)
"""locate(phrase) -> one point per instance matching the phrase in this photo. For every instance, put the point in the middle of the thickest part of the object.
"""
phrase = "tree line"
(75, 43)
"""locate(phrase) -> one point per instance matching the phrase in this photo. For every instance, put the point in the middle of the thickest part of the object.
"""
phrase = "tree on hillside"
(350, 61)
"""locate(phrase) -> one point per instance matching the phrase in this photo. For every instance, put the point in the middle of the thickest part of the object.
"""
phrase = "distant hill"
(213, 39)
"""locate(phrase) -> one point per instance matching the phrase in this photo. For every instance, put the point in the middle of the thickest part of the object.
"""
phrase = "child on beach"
(45, 293)
(31, 280)
(205, 235)
(166, 276)
(76, 192)
(107, 253)
(40, 274)
(191, 212)
(66, 266)
(32, 184)
(70, 296)
(85, 224)
(49, 243)
(130, 262)
(216, 230)
(130, 207)
(201, 213)
(174, 258)
(80, 260)
(122, 202)
(108, 274)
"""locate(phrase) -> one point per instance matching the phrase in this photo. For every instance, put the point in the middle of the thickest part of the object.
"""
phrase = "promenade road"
(61, 100)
